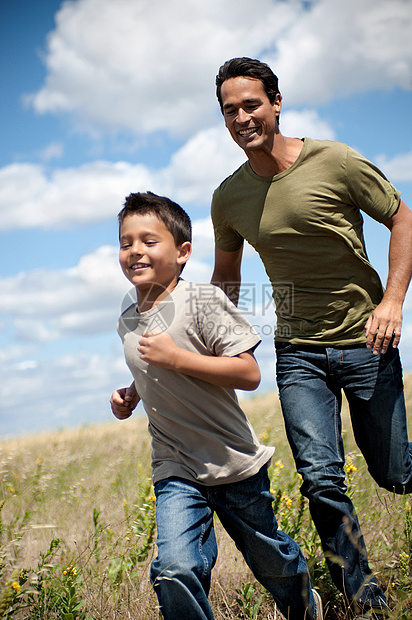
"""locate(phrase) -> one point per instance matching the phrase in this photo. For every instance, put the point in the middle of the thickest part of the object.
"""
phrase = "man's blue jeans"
(187, 549)
(310, 382)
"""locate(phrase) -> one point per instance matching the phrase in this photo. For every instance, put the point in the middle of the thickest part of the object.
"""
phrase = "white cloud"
(126, 66)
(31, 197)
(344, 47)
(60, 392)
(202, 163)
(142, 67)
(54, 150)
(49, 305)
(397, 169)
(306, 123)
(203, 239)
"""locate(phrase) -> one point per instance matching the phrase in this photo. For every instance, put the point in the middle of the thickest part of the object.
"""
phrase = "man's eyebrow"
(231, 105)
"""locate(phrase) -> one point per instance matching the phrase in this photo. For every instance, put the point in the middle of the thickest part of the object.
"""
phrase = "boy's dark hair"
(171, 214)
(247, 67)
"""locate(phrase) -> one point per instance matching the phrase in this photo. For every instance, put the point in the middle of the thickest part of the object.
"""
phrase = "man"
(298, 203)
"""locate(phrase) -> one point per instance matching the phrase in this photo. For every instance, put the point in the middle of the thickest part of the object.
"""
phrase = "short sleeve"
(224, 329)
(226, 238)
(369, 189)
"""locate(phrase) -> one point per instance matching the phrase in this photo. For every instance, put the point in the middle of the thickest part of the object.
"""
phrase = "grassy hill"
(77, 525)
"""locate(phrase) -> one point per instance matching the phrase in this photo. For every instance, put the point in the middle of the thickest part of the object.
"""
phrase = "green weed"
(77, 529)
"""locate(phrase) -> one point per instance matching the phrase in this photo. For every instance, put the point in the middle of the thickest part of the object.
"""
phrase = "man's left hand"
(384, 323)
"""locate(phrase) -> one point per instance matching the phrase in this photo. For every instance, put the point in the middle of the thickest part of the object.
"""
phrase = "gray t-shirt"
(199, 432)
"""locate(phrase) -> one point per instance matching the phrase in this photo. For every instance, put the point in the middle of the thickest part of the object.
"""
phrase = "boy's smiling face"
(150, 258)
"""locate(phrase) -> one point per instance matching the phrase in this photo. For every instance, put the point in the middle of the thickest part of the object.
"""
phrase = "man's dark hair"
(247, 67)
(171, 214)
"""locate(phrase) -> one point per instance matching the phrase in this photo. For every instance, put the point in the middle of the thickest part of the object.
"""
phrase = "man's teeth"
(247, 132)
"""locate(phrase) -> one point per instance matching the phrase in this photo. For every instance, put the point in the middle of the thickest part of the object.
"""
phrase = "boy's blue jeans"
(310, 382)
(187, 549)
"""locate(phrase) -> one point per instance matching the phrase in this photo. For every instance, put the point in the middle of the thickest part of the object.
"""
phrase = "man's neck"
(282, 156)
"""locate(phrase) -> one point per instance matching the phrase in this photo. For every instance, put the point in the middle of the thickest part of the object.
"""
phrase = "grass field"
(77, 529)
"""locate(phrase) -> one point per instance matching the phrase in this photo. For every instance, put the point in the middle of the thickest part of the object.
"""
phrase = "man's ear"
(184, 252)
(277, 104)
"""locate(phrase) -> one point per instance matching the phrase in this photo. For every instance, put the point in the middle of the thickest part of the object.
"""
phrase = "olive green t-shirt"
(307, 226)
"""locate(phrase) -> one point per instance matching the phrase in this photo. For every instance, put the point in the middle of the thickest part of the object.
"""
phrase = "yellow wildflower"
(350, 467)
(16, 586)
(286, 500)
(70, 572)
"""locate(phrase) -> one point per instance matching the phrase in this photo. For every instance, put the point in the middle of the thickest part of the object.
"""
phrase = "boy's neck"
(150, 296)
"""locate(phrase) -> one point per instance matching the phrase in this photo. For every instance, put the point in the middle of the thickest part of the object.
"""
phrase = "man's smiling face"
(249, 116)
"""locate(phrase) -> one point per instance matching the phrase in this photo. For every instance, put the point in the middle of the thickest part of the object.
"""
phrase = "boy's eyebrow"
(146, 233)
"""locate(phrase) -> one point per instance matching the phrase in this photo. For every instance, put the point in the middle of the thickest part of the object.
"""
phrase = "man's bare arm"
(227, 274)
(385, 321)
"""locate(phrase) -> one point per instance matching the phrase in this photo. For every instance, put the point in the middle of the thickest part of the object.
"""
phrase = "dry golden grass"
(86, 487)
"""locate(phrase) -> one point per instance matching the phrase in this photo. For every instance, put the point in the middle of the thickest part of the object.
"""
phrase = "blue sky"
(100, 99)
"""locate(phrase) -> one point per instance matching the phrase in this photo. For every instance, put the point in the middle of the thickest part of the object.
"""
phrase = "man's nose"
(242, 116)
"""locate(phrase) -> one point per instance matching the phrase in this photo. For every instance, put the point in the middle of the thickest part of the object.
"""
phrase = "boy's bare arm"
(123, 401)
(237, 372)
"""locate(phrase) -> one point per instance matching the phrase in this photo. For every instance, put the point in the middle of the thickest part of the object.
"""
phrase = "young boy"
(188, 347)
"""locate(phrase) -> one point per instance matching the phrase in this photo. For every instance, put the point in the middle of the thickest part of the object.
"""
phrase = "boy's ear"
(183, 252)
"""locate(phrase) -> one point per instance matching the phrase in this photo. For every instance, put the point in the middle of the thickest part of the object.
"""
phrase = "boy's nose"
(136, 248)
